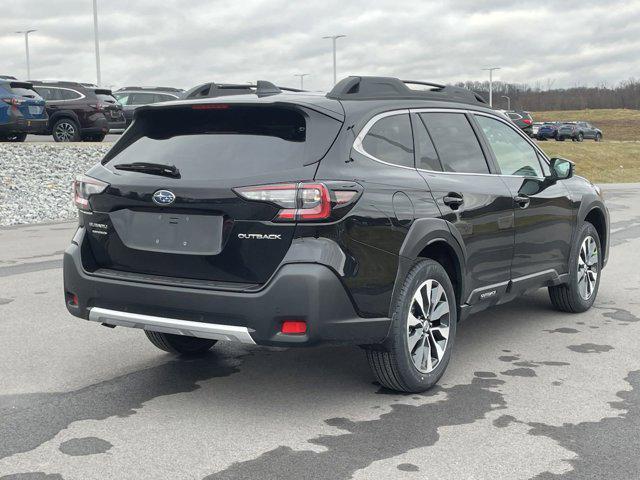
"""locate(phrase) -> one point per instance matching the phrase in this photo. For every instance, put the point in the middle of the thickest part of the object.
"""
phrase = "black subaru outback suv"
(378, 214)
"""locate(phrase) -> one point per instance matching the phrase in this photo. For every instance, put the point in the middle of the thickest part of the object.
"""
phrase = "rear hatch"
(191, 224)
(109, 105)
(30, 104)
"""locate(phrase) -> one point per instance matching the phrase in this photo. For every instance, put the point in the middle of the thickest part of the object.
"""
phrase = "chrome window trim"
(82, 95)
(357, 143)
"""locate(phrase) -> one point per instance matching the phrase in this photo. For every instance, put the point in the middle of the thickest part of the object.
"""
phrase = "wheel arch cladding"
(596, 217)
(432, 238)
(70, 114)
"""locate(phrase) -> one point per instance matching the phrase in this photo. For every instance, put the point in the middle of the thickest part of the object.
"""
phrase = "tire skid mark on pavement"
(29, 420)
(371, 440)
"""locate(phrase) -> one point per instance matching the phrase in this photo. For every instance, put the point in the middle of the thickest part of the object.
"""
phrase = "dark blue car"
(22, 111)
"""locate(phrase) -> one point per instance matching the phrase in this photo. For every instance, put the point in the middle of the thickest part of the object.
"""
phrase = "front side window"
(515, 156)
(122, 98)
(455, 142)
(390, 140)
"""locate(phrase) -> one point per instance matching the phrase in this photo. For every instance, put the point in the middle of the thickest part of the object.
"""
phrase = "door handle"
(522, 200)
(453, 200)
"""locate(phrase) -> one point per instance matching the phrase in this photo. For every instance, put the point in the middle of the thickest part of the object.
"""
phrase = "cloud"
(183, 43)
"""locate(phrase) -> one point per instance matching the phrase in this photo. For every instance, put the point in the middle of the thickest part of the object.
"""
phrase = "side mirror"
(561, 168)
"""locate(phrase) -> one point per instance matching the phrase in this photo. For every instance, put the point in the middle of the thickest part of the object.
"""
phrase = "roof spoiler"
(388, 88)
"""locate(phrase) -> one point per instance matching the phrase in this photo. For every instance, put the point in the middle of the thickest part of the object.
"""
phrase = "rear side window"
(230, 141)
(390, 139)
(68, 94)
(455, 142)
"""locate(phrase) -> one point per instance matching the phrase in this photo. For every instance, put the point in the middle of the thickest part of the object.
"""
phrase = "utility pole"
(490, 70)
(508, 101)
(26, 46)
(97, 41)
(301, 75)
(334, 38)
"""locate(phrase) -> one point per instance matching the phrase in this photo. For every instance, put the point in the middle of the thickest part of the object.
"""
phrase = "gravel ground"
(35, 180)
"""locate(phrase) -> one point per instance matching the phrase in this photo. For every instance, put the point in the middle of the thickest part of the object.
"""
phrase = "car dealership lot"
(529, 391)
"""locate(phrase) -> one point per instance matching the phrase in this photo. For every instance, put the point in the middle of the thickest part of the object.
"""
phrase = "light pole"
(508, 101)
(97, 42)
(490, 70)
(26, 46)
(334, 38)
(301, 75)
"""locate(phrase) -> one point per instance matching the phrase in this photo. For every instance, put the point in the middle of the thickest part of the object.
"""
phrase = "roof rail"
(154, 89)
(383, 88)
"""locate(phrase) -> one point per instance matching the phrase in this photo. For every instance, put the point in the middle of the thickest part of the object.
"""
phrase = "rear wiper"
(150, 168)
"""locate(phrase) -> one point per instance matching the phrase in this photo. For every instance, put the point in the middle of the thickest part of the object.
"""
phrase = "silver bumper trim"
(171, 325)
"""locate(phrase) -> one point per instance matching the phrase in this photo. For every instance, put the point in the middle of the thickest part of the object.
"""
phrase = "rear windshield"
(231, 141)
(106, 98)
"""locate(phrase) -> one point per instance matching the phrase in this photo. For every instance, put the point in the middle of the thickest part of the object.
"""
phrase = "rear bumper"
(298, 291)
(25, 125)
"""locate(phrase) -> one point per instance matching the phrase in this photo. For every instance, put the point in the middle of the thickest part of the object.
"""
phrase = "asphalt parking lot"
(530, 393)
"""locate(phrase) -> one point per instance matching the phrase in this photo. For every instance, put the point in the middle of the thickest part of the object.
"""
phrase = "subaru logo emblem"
(163, 197)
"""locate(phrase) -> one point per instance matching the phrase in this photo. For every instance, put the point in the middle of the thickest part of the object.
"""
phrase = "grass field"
(616, 124)
(616, 159)
(604, 162)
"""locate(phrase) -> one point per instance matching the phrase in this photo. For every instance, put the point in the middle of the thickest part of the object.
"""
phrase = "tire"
(180, 344)
(580, 137)
(14, 137)
(570, 297)
(392, 362)
(598, 137)
(65, 130)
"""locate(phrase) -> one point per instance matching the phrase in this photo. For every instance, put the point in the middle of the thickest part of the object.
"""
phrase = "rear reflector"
(72, 299)
(294, 327)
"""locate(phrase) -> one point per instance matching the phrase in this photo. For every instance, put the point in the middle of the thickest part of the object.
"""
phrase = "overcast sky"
(186, 42)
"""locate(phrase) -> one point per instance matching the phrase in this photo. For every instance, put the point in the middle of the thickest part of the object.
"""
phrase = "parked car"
(548, 130)
(133, 97)
(79, 113)
(378, 215)
(534, 129)
(588, 131)
(522, 119)
(22, 111)
(212, 90)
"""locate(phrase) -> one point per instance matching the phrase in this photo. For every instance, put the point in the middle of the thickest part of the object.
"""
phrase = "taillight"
(14, 101)
(526, 121)
(83, 188)
(304, 201)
